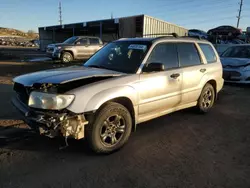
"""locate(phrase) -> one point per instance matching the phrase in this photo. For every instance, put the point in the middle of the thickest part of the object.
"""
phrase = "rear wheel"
(110, 128)
(66, 57)
(206, 99)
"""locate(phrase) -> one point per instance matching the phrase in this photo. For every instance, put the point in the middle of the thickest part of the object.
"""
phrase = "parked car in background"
(127, 82)
(233, 41)
(225, 30)
(74, 48)
(197, 33)
(236, 64)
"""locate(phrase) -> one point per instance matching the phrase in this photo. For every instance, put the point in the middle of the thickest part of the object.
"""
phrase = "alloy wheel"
(66, 58)
(112, 130)
(207, 98)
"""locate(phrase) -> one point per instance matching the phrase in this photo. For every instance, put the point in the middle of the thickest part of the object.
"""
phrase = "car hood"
(64, 75)
(235, 62)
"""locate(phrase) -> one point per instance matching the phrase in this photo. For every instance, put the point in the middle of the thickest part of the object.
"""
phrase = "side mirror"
(153, 67)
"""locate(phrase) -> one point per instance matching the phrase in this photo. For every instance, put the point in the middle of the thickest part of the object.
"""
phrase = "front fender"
(96, 100)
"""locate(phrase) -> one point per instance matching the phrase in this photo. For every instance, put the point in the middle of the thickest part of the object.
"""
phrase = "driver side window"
(82, 41)
(165, 53)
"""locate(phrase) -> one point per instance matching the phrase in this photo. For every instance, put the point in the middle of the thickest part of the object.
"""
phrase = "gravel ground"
(183, 149)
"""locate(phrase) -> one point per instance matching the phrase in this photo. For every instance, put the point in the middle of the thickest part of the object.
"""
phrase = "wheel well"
(68, 52)
(129, 105)
(214, 84)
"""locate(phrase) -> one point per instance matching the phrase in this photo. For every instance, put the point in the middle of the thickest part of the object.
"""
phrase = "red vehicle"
(225, 30)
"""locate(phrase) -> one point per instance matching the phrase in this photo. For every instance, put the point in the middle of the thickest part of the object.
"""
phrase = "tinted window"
(83, 41)
(94, 41)
(208, 52)
(165, 54)
(188, 55)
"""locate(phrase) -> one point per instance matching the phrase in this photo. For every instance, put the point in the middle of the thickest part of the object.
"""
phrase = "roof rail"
(162, 35)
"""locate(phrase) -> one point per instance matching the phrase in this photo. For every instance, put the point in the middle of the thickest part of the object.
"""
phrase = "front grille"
(227, 75)
(22, 92)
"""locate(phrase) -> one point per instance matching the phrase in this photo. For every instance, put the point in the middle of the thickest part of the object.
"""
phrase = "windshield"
(121, 56)
(70, 40)
(237, 52)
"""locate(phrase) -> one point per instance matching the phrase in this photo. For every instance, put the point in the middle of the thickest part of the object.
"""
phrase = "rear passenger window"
(188, 54)
(208, 52)
(166, 54)
(94, 41)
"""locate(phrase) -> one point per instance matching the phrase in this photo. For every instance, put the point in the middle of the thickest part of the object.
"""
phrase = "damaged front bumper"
(236, 75)
(52, 124)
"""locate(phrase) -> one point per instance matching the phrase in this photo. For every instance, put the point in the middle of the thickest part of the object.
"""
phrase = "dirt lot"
(183, 149)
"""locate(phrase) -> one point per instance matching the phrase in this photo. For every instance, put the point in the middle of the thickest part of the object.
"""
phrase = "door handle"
(174, 76)
(203, 70)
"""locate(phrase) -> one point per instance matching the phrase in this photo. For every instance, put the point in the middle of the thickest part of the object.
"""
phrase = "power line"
(239, 16)
(60, 13)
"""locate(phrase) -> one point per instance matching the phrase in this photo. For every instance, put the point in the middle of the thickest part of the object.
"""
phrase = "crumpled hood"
(64, 75)
(235, 62)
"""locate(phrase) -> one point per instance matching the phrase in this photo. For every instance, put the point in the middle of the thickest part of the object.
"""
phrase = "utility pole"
(60, 13)
(112, 15)
(239, 16)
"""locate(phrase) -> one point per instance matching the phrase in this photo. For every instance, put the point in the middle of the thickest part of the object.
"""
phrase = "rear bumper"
(220, 84)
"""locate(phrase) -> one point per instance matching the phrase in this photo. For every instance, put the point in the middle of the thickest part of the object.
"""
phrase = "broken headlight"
(50, 101)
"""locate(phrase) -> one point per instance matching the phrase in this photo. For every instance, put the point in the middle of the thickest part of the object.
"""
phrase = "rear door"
(193, 70)
(82, 48)
(95, 45)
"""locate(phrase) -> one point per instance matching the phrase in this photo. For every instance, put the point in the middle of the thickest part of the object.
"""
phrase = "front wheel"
(110, 129)
(66, 57)
(206, 99)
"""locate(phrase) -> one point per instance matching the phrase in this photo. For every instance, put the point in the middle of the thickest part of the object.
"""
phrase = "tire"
(206, 99)
(66, 57)
(113, 120)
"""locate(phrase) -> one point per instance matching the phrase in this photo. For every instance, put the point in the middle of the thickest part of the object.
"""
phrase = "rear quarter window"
(94, 41)
(208, 52)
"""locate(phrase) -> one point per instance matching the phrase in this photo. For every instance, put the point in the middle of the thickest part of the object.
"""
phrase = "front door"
(160, 91)
(82, 48)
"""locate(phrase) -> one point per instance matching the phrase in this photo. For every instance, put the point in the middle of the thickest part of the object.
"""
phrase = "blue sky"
(201, 14)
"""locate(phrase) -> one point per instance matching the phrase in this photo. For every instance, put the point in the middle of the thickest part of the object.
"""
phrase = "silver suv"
(127, 82)
(74, 48)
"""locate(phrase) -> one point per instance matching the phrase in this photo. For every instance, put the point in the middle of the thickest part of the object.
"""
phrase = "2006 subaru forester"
(127, 82)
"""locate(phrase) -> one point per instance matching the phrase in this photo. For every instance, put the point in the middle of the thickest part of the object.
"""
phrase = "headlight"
(57, 48)
(49, 101)
(247, 68)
